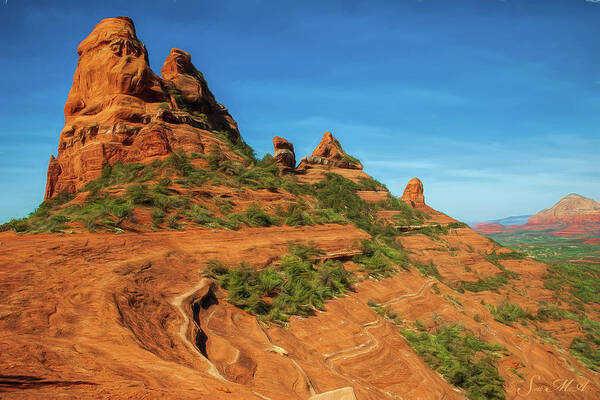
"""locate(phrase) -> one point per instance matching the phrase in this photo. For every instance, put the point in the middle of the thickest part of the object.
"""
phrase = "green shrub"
(370, 184)
(261, 177)
(305, 252)
(238, 146)
(508, 312)
(225, 205)
(587, 350)
(386, 312)
(103, 212)
(17, 225)
(172, 222)
(140, 194)
(462, 359)
(114, 175)
(428, 269)
(492, 283)
(295, 287)
(231, 168)
(158, 217)
(201, 216)
(257, 217)
(215, 157)
(328, 216)
(380, 260)
(297, 216)
(547, 312)
(580, 280)
(407, 216)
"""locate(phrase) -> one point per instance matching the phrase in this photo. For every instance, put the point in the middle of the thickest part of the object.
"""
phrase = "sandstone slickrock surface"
(118, 110)
(284, 153)
(346, 393)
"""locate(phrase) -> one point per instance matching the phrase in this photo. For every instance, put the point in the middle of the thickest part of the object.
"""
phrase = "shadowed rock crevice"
(22, 382)
(202, 304)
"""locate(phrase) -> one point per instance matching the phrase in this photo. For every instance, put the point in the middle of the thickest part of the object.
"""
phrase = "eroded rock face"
(413, 194)
(284, 154)
(329, 152)
(188, 90)
(329, 157)
(118, 110)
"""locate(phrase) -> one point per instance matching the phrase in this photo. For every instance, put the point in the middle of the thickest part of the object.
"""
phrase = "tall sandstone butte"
(413, 194)
(118, 110)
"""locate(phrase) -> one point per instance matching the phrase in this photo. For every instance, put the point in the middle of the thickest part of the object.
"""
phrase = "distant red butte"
(573, 215)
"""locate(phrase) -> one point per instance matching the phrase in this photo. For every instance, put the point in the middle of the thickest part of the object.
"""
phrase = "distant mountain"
(507, 221)
(514, 220)
(572, 215)
(571, 209)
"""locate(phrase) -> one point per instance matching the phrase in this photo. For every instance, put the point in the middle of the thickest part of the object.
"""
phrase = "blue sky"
(494, 104)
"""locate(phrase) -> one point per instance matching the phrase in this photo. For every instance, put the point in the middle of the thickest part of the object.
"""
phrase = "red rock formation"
(329, 152)
(188, 91)
(284, 153)
(118, 110)
(413, 194)
(330, 157)
(571, 209)
(487, 228)
(571, 216)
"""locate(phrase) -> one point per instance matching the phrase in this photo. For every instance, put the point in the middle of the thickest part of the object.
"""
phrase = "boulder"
(284, 154)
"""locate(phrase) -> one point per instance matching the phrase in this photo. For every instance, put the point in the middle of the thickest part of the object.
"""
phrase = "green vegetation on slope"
(574, 282)
(508, 312)
(575, 285)
(462, 359)
(296, 285)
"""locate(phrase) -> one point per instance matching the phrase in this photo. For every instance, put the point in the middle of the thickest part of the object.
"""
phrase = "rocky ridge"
(153, 313)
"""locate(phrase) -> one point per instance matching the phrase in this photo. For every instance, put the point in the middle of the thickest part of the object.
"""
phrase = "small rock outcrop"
(329, 152)
(118, 110)
(188, 91)
(284, 154)
(413, 194)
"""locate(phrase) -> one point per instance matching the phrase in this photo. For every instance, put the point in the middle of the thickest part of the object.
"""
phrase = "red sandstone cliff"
(118, 110)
